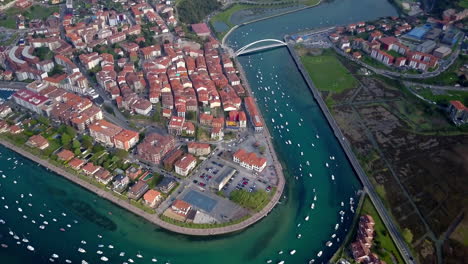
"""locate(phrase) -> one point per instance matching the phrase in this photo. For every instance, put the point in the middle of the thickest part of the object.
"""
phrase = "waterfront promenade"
(368, 187)
(154, 218)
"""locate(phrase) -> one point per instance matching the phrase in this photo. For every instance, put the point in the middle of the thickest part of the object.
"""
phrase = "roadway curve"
(368, 187)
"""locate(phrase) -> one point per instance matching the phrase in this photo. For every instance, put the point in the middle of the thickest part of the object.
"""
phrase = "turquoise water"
(94, 216)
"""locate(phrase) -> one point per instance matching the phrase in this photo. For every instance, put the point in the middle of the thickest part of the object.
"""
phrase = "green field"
(383, 244)
(328, 73)
(33, 12)
(445, 97)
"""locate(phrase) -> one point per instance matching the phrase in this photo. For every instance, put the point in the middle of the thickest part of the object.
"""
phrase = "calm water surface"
(32, 193)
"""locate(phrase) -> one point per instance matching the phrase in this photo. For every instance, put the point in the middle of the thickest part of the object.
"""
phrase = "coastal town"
(150, 110)
(163, 108)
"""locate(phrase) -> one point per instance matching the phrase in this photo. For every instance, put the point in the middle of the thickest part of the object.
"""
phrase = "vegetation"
(252, 200)
(383, 244)
(194, 11)
(44, 53)
(321, 67)
(33, 12)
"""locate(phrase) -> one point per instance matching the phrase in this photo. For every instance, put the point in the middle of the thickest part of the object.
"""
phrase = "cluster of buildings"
(398, 43)
(249, 160)
(458, 112)
(361, 248)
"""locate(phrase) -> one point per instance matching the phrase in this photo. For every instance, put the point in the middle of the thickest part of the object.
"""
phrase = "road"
(9, 86)
(438, 87)
(368, 187)
(444, 64)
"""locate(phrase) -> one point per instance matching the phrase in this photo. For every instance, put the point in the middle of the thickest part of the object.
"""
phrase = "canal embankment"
(368, 187)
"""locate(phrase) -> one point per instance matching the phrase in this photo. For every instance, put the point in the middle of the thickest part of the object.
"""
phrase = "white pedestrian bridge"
(249, 49)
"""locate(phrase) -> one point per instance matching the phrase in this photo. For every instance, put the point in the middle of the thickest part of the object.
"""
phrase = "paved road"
(445, 64)
(6, 85)
(368, 187)
(438, 87)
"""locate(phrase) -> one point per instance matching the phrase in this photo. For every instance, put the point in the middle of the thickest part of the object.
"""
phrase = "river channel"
(317, 173)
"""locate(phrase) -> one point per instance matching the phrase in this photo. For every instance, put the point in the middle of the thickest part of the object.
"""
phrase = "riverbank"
(153, 218)
(232, 28)
(368, 187)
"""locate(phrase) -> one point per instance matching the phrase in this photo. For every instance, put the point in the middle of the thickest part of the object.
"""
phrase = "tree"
(98, 148)
(155, 180)
(407, 235)
(76, 144)
(66, 139)
(87, 141)
(77, 152)
(120, 153)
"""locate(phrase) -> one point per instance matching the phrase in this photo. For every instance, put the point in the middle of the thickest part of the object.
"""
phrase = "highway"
(368, 187)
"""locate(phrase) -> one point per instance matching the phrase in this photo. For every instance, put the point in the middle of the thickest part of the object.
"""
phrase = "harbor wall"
(368, 186)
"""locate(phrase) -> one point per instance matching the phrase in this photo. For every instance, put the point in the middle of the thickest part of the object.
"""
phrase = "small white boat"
(329, 243)
(30, 248)
(336, 226)
(130, 260)
(299, 236)
(154, 260)
(103, 258)
(139, 255)
(319, 254)
(333, 177)
(84, 262)
(122, 254)
(333, 236)
(81, 250)
(111, 246)
(83, 242)
(281, 252)
(326, 164)
(55, 256)
(292, 252)
(312, 206)
(99, 252)
(306, 218)
(41, 227)
(68, 261)
(269, 261)
(100, 245)
(315, 197)
(281, 262)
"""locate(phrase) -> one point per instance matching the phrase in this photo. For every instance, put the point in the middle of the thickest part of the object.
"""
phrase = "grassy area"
(251, 200)
(10, 40)
(444, 98)
(383, 244)
(328, 73)
(33, 12)
(225, 17)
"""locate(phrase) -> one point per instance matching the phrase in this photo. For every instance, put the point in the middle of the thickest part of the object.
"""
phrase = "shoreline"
(368, 188)
(154, 218)
(223, 41)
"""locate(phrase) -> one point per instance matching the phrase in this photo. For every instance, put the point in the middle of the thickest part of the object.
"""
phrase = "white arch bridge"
(247, 48)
